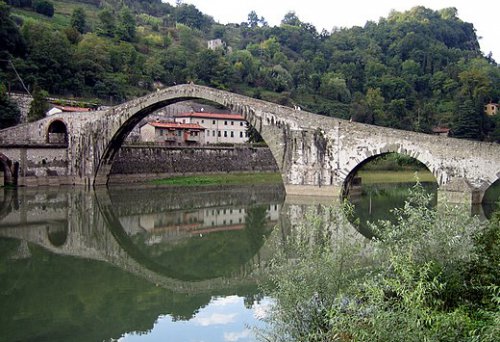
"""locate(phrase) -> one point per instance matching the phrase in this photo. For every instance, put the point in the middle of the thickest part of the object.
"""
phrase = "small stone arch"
(349, 178)
(57, 133)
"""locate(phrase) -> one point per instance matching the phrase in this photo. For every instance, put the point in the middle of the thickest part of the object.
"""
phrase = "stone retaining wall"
(135, 163)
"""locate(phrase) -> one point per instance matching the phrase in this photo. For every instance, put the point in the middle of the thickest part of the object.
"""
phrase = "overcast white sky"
(326, 14)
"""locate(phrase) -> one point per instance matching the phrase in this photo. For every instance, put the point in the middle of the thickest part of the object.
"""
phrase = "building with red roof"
(219, 127)
(173, 133)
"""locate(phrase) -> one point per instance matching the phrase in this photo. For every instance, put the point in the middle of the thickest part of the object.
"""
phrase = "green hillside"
(412, 70)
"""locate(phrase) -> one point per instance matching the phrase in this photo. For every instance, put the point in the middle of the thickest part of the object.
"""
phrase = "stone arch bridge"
(316, 154)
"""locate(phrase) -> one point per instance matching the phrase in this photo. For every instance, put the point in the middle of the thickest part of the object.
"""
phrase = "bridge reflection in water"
(93, 265)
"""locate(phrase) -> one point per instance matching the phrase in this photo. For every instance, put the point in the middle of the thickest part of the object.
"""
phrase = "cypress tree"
(39, 105)
(468, 120)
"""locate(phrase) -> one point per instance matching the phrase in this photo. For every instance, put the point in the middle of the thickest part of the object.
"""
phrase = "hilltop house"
(491, 109)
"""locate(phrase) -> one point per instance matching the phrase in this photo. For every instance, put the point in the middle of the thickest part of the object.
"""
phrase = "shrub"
(44, 7)
(431, 276)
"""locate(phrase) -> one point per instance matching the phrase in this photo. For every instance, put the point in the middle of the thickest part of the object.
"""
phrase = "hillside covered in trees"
(413, 70)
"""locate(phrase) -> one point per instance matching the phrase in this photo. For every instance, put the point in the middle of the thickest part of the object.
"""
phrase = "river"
(147, 263)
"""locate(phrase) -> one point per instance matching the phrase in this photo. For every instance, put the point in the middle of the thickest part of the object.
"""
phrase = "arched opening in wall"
(57, 133)
(194, 137)
(491, 199)
(57, 234)
(384, 182)
(8, 171)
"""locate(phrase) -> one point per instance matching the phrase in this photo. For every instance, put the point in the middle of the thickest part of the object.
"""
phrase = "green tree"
(253, 19)
(107, 23)
(49, 62)
(467, 123)
(126, 26)
(334, 87)
(11, 40)
(79, 19)
(39, 105)
(278, 78)
(495, 133)
(43, 7)
(9, 112)
(92, 57)
(291, 19)
(189, 15)
(174, 64)
(211, 68)
(245, 66)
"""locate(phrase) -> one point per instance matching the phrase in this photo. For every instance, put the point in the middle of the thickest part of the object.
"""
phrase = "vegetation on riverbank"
(402, 176)
(222, 179)
(433, 275)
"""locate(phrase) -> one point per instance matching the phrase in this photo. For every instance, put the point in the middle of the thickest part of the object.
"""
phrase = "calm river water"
(144, 263)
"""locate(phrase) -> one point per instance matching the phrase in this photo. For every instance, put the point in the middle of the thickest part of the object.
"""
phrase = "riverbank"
(395, 176)
(222, 179)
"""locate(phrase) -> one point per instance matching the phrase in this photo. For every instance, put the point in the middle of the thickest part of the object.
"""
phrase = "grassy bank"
(403, 176)
(222, 179)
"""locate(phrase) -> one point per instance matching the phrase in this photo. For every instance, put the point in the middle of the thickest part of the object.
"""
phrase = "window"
(225, 122)
(161, 132)
(202, 121)
(232, 123)
(213, 133)
(232, 134)
(225, 134)
(179, 133)
(241, 123)
(213, 122)
(218, 134)
(241, 134)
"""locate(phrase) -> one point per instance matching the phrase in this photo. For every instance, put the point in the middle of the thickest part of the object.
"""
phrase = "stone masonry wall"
(143, 161)
(23, 102)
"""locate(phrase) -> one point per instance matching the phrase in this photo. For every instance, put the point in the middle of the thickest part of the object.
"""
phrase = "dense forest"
(413, 70)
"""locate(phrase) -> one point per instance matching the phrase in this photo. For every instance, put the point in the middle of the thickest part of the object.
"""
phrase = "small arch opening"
(57, 234)
(382, 183)
(57, 133)
(491, 199)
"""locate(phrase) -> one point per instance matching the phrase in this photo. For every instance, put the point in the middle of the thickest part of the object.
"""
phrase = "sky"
(326, 14)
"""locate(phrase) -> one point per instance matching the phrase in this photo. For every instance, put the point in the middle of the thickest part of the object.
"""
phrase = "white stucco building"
(219, 128)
